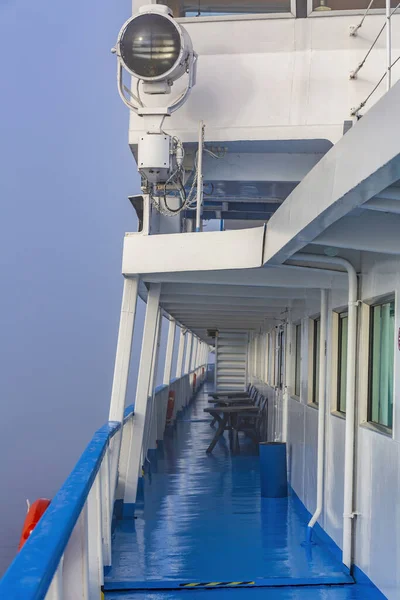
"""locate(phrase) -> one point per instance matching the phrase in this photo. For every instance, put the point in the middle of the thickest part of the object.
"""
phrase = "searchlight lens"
(150, 46)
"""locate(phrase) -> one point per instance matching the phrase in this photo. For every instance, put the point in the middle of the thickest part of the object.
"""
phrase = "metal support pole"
(199, 177)
(124, 347)
(193, 353)
(181, 348)
(143, 381)
(321, 415)
(188, 351)
(388, 45)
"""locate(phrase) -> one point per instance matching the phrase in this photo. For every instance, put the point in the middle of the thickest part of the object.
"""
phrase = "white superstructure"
(269, 234)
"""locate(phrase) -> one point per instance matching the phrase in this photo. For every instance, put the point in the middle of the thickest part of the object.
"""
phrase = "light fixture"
(156, 50)
(322, 6)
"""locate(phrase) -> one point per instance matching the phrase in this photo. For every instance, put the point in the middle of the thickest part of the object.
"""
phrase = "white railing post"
(188, 351)
(143, 381)
(55, 591)
(123, 466)
(105, 508)
(95, 539)
(181, 348)
(76, 561)
(169, 352)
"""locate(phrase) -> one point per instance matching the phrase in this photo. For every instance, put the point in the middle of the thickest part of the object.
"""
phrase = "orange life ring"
(33, 517)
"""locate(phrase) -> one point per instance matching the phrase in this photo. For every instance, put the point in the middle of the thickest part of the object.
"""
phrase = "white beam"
(177, 290)
(144, 375)
(194, 353)
(124, 348)
(181, 348)
(188, 351)
(169, 253)
(364, 162)
(169, 352)
(383, 205)
(283, 276)
(197, 302)
(372, 232)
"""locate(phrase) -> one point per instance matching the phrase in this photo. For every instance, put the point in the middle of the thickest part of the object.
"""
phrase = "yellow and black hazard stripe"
(214, 584)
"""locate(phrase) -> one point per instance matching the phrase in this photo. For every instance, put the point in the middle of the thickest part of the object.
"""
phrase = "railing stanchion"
(106, 508)
(95, 539)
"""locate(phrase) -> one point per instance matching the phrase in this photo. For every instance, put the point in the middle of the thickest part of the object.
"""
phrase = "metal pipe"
(321, 415)
(199, 177)
(388, 44)
(348, 513)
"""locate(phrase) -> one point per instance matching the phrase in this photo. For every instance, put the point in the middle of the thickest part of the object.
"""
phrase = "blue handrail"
(31, 572)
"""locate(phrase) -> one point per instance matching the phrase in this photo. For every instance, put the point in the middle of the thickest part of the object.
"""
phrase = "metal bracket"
(352, 515)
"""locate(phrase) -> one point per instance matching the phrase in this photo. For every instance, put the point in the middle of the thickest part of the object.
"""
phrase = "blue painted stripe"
(338, 579)
(32, 570)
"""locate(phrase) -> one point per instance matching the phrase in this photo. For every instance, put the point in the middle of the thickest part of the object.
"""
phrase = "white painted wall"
(278, 78)
(377, 529)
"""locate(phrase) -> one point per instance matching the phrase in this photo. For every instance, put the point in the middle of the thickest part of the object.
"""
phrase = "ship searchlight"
(156, 50)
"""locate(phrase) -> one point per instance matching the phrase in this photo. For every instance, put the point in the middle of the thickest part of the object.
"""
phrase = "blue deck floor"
(203, 520)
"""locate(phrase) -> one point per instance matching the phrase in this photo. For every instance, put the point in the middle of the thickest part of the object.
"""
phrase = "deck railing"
(65, 556)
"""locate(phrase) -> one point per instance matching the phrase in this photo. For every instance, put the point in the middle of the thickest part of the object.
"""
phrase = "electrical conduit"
(348, 513)
(321, 415)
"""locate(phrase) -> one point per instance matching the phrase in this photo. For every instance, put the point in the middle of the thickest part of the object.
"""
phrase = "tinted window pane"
(297, 361)
(342, 362)
(327, 5)
(206, 8)
(381, 364)
(316, 361)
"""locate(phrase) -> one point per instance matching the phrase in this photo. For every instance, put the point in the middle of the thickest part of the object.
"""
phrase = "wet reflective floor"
(203, 521)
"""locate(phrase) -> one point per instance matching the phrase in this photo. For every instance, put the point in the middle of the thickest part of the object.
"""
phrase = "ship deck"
(203, 521)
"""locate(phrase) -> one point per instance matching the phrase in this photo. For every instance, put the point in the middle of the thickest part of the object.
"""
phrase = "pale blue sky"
(65, 177)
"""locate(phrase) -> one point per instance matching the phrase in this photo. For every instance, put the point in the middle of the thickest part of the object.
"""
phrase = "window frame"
(315, 360)
(340, 13)
(280, 358)
(291, 14)
(297, 361)
(380, 427)
(340, 315)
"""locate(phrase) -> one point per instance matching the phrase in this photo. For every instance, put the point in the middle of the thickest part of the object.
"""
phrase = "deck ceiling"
(251, 299)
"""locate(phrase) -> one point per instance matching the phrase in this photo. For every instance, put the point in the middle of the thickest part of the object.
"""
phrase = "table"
(229, 395)
(224, 414)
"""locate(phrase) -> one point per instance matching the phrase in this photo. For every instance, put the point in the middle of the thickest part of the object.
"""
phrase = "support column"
(194, 352)
(170, 352)
(124, 347)
(179, 364)
(150, 430)
(188, 352)
(143, 382)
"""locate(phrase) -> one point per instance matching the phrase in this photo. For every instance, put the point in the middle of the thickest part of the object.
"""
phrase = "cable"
(354, 31)
(362, 63)
(356, 110)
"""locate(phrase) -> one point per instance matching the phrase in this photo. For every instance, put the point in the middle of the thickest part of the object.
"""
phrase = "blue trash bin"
(273, 471)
